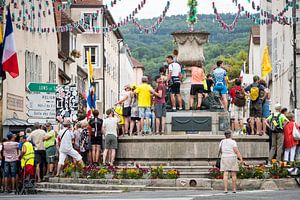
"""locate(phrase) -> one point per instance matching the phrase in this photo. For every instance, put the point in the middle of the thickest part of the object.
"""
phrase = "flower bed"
(277, 170)
(112, 172)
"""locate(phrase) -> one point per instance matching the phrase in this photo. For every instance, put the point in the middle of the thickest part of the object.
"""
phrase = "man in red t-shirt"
(238, 102)
(160, 105)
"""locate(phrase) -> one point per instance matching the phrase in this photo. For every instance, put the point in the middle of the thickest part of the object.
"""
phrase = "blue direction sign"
(42, 87)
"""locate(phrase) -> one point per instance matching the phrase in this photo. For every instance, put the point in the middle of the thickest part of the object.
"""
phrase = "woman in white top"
(229, 163)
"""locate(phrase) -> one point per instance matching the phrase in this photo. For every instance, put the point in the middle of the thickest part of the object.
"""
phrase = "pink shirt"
(10, 151)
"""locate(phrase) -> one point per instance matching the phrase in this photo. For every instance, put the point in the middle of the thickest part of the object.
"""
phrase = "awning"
(15, 122)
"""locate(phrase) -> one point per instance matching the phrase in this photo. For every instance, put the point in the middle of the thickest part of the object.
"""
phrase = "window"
(52, 72)
(94, 55)
(98, 93)
(33, 67)
(72, 41)
(90, 21)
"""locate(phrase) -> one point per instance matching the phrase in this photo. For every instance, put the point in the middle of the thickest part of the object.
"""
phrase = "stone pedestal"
(197, 122)
(190, 49)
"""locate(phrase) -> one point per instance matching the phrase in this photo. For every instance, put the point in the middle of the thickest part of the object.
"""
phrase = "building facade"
(279, 39)
(254, 60)
(36, 64)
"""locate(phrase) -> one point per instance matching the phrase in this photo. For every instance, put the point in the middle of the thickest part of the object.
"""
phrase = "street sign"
(41, 121)
(42, 98)
(42, 87)
(36, 105)
(45, 114)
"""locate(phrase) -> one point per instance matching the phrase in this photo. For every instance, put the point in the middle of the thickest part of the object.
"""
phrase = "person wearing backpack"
(256, 94)
(238, 102)
(276, 122)
(96, 136)
(220, 86)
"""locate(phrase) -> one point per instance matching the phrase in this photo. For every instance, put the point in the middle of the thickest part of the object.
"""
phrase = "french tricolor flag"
(9, 57)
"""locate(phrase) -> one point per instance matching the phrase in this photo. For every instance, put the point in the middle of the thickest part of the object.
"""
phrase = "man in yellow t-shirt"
(144, 92)
(49, 143)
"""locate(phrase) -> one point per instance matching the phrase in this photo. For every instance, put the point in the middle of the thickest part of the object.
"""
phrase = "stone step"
(193, 174)
(67, 191)
(175, 188)
(89, 187)
(179, 168)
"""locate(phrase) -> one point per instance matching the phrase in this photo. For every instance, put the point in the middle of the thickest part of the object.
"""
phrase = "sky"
(154, 8)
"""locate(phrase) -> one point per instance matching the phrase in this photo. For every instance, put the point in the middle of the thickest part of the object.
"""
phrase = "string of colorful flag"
(270, 18)
(156, 25)
(27, 9)
(223, 24)
(81, 22)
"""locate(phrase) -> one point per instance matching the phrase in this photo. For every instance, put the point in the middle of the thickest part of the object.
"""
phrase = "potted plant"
(75, 53)
(172, 174)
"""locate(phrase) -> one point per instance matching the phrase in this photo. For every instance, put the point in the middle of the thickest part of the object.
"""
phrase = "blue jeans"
(144, 112)
(10, 169)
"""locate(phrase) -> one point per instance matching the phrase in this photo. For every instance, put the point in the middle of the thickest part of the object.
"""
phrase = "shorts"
(175, 87)
(160, 110)
(144, 112)
(63, 155)
(96, 140)
(50, 154)
(111, 141)
(229, 164)
(135, 118)
(197, 88)
(237, 112)
(221, 89)
(127, 111)
(256, 110)
(10, 169)
(39, 157)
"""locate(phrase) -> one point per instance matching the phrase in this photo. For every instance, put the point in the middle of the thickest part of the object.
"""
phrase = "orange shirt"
(198, 75)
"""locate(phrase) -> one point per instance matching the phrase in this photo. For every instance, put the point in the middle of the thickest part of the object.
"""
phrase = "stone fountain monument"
(192, 137)
(190, 49)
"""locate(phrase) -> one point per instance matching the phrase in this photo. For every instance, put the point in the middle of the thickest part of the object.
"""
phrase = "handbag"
(296, 133)
(218, 161)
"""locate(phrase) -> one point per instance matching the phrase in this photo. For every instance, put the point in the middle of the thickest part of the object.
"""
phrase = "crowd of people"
(142, 111)
(43, 151)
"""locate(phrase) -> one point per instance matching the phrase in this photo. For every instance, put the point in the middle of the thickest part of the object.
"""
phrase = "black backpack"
(275, 124)
(240, 98)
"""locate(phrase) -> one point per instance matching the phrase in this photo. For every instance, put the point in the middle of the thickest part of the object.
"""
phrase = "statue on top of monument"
(192, 15)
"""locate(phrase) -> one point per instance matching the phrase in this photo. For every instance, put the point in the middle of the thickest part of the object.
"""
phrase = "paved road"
(168, 195)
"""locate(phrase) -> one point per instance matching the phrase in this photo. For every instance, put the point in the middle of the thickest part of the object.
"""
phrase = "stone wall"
(217, 125)
(187, 149)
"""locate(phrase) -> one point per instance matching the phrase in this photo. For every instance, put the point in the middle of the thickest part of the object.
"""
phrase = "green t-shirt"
(282, 118)
(51, 141)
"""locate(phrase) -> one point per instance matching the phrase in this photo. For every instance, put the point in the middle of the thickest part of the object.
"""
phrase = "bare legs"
(163, 121)
(192, 101)
(127, 124)
(256, 121)
(225, 179)
(132, 124)
(224, 101)
(96, 150)
(37, 171)
(111, 153)
(147, 124)
(173, 101)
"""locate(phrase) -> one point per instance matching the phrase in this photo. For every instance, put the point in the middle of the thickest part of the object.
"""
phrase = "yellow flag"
(90, 66)
(266, 63)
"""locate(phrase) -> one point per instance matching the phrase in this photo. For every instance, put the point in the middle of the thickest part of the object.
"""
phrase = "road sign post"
(42, 87)
(41, 102)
